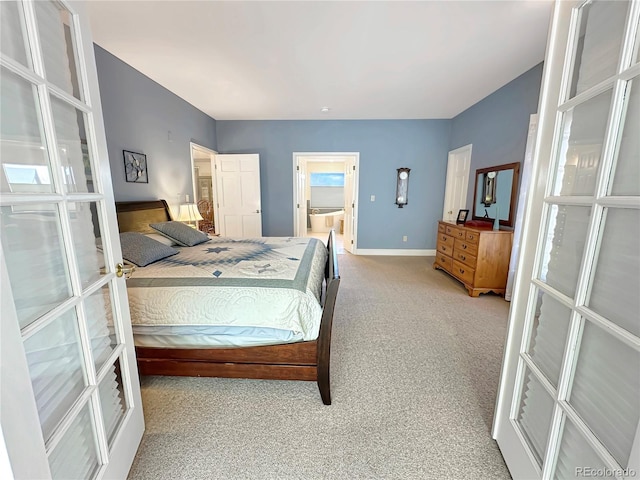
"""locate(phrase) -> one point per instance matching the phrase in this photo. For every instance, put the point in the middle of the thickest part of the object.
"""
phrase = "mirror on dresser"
(496, 191)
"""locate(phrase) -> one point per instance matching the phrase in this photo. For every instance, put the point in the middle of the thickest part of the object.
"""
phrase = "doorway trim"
(300, 159)
(449, 182)
(213, 154)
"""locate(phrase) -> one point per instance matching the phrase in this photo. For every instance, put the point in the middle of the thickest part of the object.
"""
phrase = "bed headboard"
(136, 216)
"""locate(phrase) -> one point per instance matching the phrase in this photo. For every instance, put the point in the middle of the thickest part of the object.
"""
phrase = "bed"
(167, 348)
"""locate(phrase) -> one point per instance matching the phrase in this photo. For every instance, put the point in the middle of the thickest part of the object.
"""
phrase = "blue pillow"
(141, 250)
(180, 233)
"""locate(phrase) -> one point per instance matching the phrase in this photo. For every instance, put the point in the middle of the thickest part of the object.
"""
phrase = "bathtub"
(324, 222)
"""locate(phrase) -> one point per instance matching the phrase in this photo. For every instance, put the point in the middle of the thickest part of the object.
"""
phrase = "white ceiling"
(365, 60)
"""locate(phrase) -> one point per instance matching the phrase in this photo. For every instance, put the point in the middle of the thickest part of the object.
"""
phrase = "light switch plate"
(373, 198)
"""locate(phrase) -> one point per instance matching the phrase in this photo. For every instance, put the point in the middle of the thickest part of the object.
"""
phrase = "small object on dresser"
(462, 217)
(496, 221)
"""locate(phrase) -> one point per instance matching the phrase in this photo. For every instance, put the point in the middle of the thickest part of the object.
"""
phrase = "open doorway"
(325, 189)
(202, 167)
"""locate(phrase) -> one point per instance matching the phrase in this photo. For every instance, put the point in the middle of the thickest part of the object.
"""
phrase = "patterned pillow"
(180, 233)
(141, 250)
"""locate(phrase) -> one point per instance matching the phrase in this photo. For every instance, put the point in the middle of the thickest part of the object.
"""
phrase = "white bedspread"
(272, 283)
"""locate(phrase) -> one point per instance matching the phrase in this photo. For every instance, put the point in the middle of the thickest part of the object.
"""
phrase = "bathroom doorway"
(325, 192)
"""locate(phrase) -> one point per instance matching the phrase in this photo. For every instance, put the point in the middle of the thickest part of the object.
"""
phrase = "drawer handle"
(444, 249)
(462, 257)
(460, 234)
(461, 270)
(444, 238)
(464, 246)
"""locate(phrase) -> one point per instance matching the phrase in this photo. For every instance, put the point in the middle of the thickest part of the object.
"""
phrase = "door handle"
(122, 270)
(257, 211)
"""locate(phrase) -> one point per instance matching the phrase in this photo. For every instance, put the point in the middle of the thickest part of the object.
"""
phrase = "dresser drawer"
(455, 232)
(464, 246)
(442, 228)
(465, 257)
(446, 240)
(472, 237)
(445, 248)
(463, 272)
(444, 261)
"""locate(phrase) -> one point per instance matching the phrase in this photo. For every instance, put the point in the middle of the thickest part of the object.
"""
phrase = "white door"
(455, 193)
(349, 203)
(239, 212)
(568, 403)
(70, 403)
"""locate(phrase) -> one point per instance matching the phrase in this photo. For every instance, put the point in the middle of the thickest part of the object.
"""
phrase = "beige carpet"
(415, 368)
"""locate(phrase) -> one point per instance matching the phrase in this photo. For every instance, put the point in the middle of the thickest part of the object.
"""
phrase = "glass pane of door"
(112, 400)
(627, 170)
(564, 245)
(13, 39)
(599, 43)
(584, 128)
(55, 362)
(617, 271)
(576, 457)
(59, 49)
(606, 390)
(76, 456)
(549, 335)
(534, 415)
(36, 260)
(101, 325)
(73, 146)
(87, 241)
(25, 163)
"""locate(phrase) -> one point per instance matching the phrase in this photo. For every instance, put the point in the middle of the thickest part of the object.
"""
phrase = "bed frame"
(307, 360)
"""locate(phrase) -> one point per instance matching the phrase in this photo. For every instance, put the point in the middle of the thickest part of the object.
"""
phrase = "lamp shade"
(189, 213)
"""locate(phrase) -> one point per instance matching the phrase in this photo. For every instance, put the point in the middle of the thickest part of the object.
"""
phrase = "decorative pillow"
(141, 250)
(161, 238)
(180, 233)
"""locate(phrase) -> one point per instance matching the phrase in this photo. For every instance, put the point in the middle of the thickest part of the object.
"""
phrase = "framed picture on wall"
(135, 167)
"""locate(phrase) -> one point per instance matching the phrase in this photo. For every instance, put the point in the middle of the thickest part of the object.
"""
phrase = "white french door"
(239, 212)
(569, 398)
(70, 403)
(455, 193)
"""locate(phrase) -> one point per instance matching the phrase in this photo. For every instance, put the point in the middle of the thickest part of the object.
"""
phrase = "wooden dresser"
(479, 258)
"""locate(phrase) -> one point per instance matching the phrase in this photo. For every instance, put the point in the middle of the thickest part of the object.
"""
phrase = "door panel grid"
(57, 205)
(596, 404)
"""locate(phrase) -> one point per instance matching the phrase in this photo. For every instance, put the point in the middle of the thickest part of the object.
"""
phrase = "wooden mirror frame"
(514, 191)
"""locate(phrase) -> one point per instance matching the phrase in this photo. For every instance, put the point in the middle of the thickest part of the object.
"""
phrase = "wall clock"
(402, 187)
(135, 167)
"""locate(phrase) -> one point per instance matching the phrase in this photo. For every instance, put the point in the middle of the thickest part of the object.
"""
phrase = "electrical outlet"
(404, 238)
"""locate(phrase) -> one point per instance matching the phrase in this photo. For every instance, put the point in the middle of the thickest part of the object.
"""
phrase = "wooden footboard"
(294, 361)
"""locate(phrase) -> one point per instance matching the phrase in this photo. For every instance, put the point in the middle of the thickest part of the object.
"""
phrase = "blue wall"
(384, 146)
(498, 125)
(139, 113)
(138, 116)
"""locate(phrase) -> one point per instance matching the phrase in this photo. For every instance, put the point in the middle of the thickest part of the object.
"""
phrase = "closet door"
(69, 388)
(569, 399)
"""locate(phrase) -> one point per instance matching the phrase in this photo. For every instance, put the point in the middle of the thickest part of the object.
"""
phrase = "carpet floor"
(414, 374)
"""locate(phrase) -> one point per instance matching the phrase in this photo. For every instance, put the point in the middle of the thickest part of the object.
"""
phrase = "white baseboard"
(397, 252)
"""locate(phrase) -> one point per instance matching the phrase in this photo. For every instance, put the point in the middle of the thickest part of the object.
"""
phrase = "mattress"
(230, 292)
